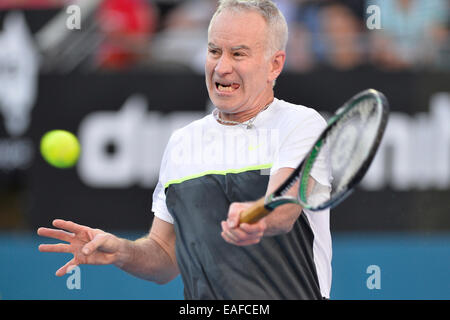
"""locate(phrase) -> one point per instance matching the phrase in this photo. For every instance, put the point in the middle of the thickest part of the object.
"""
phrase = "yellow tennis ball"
(60, 148)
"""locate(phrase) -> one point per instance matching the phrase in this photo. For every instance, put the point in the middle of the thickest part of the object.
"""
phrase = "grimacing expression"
(239, 75)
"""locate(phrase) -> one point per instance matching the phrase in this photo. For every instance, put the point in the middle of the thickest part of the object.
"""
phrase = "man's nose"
(224, 65)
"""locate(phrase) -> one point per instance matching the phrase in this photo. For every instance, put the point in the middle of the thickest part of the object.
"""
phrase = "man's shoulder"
(296, 112)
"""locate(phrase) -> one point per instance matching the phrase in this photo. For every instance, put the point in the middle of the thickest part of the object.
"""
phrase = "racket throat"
(273, 202)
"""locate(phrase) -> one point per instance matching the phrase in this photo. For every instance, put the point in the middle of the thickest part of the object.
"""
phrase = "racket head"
(347, 147)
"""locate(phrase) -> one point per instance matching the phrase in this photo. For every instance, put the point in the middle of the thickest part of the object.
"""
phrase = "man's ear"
(277, 64)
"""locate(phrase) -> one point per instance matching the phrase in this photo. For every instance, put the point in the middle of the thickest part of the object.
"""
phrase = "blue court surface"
(365, 266)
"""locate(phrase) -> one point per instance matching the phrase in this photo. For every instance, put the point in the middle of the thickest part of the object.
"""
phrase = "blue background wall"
(412, 266)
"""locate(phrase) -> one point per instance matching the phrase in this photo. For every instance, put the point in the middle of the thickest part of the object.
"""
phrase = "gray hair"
(277, 26)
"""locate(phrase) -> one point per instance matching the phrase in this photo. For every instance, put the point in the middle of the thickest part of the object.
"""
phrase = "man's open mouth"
(227, 87)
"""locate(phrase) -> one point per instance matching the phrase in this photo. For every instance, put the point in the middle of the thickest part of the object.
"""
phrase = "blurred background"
(123, 74)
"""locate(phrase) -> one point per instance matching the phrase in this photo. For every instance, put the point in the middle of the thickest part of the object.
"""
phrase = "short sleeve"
(296, 142)
(159, 206)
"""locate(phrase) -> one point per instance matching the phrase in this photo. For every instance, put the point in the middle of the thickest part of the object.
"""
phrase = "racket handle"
(254, 213)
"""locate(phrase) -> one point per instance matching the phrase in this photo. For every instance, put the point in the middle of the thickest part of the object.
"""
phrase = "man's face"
(238, 73)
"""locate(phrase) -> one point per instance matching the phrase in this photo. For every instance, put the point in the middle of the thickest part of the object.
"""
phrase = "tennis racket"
(348, 143)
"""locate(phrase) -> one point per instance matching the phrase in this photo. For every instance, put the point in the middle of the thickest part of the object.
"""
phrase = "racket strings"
(353, 139)
(344, 149)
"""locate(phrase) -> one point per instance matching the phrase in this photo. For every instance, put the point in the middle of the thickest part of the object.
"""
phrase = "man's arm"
(151, 257)
(282, 218)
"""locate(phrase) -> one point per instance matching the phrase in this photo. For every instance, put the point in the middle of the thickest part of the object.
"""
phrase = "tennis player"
(211, 169)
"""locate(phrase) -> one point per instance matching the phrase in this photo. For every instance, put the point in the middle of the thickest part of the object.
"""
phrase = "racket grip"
(254, 213)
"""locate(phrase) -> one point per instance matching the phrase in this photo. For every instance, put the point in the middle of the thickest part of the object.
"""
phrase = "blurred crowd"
(339, 34)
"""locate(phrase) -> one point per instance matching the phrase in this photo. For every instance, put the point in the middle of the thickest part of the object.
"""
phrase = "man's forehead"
(238, 30)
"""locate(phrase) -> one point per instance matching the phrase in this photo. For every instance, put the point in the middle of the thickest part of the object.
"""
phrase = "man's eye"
(239, 54)
(213, 51)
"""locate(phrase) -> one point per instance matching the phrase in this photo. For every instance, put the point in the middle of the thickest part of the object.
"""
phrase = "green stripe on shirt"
(221, 172)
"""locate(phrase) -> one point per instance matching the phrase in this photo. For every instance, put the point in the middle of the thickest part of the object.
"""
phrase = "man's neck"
(246, 115)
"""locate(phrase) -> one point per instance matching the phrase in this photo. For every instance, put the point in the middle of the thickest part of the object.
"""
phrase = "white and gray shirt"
(207, 166)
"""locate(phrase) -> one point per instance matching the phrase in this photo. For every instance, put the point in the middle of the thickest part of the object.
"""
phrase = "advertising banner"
(124, 121)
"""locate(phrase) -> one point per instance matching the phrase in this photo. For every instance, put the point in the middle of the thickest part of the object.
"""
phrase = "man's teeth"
(229, 88)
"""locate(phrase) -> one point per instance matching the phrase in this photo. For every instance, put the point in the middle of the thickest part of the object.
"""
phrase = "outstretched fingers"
(56, 234)
(69, 226)
(60, 247)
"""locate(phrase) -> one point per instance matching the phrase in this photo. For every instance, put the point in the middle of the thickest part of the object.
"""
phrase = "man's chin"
(224, 106)
(226, 109)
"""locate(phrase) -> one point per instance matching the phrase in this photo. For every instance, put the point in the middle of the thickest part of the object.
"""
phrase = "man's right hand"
(88, 246)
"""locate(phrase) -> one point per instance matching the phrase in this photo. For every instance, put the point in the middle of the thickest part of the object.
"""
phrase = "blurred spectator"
(184, 34)
(300, 55)
(342, 36)
(412, 33)
(190, 14)
(304, 46)
(289, 9)
(326, 33)
(126, 28)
